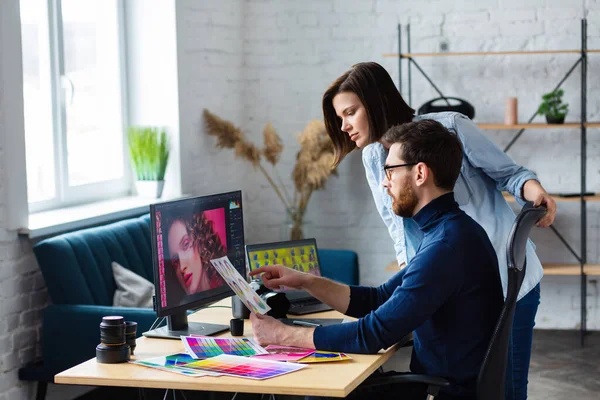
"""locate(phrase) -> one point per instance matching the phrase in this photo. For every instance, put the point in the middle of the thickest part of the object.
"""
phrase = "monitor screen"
(186, 235)
(300, 255)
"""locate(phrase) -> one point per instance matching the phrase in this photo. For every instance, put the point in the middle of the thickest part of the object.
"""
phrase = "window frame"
(66, 195)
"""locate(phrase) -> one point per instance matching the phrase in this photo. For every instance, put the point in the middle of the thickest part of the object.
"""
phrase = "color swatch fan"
(200, 347)
(244, 367)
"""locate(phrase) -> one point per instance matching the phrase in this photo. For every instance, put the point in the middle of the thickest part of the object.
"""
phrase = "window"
(73, 86)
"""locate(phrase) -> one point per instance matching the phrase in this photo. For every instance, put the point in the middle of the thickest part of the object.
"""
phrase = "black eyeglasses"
(388, 169)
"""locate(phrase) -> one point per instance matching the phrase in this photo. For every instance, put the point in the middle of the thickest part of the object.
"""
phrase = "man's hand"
(275, 276)
(267, 330)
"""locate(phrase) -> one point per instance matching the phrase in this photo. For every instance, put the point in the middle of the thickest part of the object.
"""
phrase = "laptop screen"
(300, 255)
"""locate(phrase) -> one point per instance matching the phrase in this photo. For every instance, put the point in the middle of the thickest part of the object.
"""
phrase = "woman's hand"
(533, 191)
(275, 276)
(544, 199)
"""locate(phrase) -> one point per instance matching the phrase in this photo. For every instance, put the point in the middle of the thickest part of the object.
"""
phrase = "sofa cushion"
(132, 289)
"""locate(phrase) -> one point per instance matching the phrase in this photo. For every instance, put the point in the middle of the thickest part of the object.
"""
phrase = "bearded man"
(449, 294)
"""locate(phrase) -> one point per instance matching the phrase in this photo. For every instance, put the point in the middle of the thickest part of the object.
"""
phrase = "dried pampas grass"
(313, 161)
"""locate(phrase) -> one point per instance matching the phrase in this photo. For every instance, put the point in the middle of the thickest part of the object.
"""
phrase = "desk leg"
(42, 387)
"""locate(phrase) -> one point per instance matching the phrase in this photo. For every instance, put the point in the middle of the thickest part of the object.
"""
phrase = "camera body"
(278, 302)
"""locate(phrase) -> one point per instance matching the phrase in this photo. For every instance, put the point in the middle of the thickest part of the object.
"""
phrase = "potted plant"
(553, 107)
(149, 152)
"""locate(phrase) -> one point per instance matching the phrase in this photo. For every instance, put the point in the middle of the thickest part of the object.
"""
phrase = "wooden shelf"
(596, 197)
(567, 125)
(486, 53)
(570, 269)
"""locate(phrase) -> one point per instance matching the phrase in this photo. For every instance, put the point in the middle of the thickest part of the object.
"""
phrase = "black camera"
(278, 302)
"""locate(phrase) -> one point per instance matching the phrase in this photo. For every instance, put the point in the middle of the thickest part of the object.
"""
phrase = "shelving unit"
(581, 268)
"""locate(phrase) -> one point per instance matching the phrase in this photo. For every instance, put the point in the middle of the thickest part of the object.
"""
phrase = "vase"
(510, 111)
(149, 189)
(294, 228)
(555, 120)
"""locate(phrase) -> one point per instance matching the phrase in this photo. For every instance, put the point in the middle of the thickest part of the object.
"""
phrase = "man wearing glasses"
(449, 294)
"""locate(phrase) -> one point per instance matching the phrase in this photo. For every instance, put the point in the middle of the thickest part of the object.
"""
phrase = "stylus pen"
(304, 323)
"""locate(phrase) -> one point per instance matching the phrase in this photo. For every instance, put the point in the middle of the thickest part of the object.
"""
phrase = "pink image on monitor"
(191, 240)
(217, 216)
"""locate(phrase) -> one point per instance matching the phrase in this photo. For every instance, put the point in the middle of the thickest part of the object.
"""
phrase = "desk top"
(335, 379)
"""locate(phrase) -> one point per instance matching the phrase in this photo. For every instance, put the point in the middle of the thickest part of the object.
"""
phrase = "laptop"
(300, 255)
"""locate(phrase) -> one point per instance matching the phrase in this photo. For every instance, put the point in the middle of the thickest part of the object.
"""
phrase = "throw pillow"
(132, 289)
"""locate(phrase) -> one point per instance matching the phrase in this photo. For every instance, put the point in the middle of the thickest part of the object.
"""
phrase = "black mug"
(239, 309)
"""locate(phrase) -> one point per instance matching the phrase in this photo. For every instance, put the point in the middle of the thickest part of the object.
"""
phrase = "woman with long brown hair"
(361, 105)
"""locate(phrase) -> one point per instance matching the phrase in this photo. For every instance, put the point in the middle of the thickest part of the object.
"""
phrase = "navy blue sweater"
(450, 295)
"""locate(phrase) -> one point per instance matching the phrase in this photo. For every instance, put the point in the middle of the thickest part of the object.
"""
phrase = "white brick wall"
(293, 50)
(263, 61)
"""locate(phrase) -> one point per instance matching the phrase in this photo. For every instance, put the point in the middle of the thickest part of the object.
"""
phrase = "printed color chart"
(173, 363)
(205, 346)
(239, 285)
(325, 356)
(244, 367)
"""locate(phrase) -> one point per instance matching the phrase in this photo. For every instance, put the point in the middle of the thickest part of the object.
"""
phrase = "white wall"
(22, 291)
(291, 51)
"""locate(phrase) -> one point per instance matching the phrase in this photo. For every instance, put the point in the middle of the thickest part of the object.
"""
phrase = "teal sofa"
(77, 270)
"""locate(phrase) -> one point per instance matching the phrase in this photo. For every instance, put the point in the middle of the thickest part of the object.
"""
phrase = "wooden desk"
(336, 379)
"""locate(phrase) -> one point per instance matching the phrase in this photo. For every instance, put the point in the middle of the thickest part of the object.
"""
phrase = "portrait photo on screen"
(190, 240)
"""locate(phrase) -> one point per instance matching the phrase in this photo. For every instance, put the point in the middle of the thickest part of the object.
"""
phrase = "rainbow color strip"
(244, 367)
(200, 347)
(173, 363)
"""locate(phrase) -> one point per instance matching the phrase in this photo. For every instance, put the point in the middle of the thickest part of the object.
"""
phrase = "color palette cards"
(244, 367)
(238, 284)
(324, 356)
(284, 353)
(200, 347)
(174, 363)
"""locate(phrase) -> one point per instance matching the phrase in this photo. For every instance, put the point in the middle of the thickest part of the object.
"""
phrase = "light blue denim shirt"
(486, 171)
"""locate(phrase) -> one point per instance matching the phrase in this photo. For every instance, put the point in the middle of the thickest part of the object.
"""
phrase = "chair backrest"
(490, 383)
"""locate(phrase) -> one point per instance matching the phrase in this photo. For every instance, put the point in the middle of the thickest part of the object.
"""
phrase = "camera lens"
(130, 333)
(112, 347)
(112, 331)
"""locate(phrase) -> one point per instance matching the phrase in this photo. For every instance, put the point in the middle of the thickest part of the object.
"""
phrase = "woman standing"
(361, 105)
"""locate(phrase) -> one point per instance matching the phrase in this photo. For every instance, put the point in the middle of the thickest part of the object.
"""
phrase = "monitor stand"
(178, 325)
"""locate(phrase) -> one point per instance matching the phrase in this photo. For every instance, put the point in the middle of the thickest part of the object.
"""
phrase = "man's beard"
(405, 204)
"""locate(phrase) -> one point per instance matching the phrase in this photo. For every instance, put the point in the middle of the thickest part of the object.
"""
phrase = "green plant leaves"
(552, 105)
(149, 150)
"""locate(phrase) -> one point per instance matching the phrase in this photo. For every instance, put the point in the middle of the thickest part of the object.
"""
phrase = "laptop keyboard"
(303, 303)
(307, 306)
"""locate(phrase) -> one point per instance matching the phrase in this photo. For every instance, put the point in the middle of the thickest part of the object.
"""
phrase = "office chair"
(492, 374)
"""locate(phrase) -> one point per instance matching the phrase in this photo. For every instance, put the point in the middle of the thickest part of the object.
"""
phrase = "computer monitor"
(186, 235)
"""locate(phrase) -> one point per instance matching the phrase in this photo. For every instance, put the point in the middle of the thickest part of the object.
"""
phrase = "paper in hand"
(239, 285)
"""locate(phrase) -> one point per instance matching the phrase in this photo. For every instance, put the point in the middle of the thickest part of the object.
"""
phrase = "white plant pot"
(149, 189)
